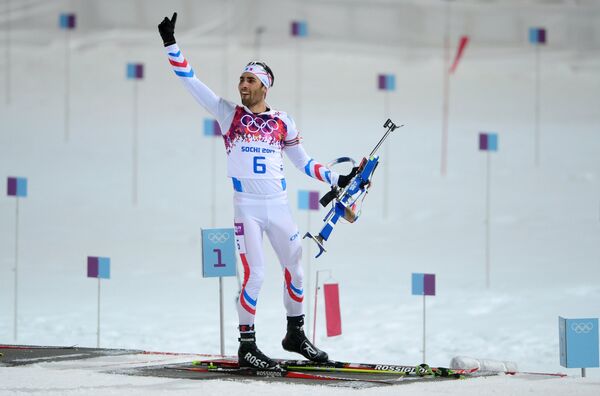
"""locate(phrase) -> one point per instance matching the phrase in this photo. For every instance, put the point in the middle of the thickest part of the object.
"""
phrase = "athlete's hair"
(267, 69)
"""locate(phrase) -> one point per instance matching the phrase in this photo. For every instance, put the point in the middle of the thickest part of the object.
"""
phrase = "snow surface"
(32, 380)
(545, 221)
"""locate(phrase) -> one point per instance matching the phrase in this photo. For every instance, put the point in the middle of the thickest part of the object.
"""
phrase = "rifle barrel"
(390, 129)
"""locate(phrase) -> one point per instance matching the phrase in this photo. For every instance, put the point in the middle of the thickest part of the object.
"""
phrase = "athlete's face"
(252, 91)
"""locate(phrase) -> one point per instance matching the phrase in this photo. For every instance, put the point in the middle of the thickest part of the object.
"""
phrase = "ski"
(419, 370)
(280, 373)
(414, 371)
(562, 375)
(347, 367)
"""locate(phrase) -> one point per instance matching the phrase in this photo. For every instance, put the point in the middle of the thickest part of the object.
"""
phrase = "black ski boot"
(295, 341)
(248, 353)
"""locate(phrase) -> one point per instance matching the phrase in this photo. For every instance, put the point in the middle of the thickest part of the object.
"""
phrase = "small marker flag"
(98, 267)
(333, 317)
(67, 21)
(135, 71)
(537, 35)
(386, 82)
(423, 284)
(299, 29)
(464, 40)
(16, 186)
(488, 141)
(211, 127)
(308, 200)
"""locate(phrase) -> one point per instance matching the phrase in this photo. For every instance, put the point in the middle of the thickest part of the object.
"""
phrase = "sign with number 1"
(218, 252)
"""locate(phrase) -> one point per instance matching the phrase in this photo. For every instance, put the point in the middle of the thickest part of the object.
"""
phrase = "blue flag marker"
(211, 127)
(104, 267)
(67, 21)
(16, 186)
(423, 284)
(98, 267)
(488, 141)
(299, 29)
(308, 200)
(386, 82)
(537, 35)
(135, 71)
(218, 252)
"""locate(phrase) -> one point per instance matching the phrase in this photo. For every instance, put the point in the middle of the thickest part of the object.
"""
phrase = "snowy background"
(545, 220)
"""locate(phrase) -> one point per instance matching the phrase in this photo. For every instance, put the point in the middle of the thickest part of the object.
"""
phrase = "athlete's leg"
(284, 236)
(250, 216)
(248, 230)
(285, 239)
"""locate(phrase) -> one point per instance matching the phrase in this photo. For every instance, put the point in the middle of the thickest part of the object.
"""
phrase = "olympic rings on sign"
(218, 237)
(581, 327)
(253, 125)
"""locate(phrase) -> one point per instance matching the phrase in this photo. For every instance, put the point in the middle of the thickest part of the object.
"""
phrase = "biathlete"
(256, 136)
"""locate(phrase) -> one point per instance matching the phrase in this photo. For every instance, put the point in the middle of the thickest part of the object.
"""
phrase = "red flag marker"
(464, 40)
(332, 309)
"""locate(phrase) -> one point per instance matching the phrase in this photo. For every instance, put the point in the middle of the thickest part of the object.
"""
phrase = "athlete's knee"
(294, 261)
(295, 253)
(255, 280)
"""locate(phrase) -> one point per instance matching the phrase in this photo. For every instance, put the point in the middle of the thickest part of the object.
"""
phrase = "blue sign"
(578, 342)
(218, 252)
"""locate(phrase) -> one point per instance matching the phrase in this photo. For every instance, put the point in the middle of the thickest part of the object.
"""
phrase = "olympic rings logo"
(253, 125)
(218, 237)
(581, 327)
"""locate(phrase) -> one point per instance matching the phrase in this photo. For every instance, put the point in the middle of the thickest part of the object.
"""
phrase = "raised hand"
(167, 30)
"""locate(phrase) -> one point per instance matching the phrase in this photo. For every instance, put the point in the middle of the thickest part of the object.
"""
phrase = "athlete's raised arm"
(221, 109)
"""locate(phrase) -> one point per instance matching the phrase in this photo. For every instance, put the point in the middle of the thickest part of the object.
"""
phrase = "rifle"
(346, 200)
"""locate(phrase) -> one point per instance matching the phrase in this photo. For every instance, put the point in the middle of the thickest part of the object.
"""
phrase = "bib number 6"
(259, 165)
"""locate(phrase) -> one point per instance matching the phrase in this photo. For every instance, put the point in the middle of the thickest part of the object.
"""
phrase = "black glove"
(167, 30)
(343, 180)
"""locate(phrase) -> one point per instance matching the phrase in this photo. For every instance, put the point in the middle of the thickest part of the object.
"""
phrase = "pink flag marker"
(464, 40)
(333, 317)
